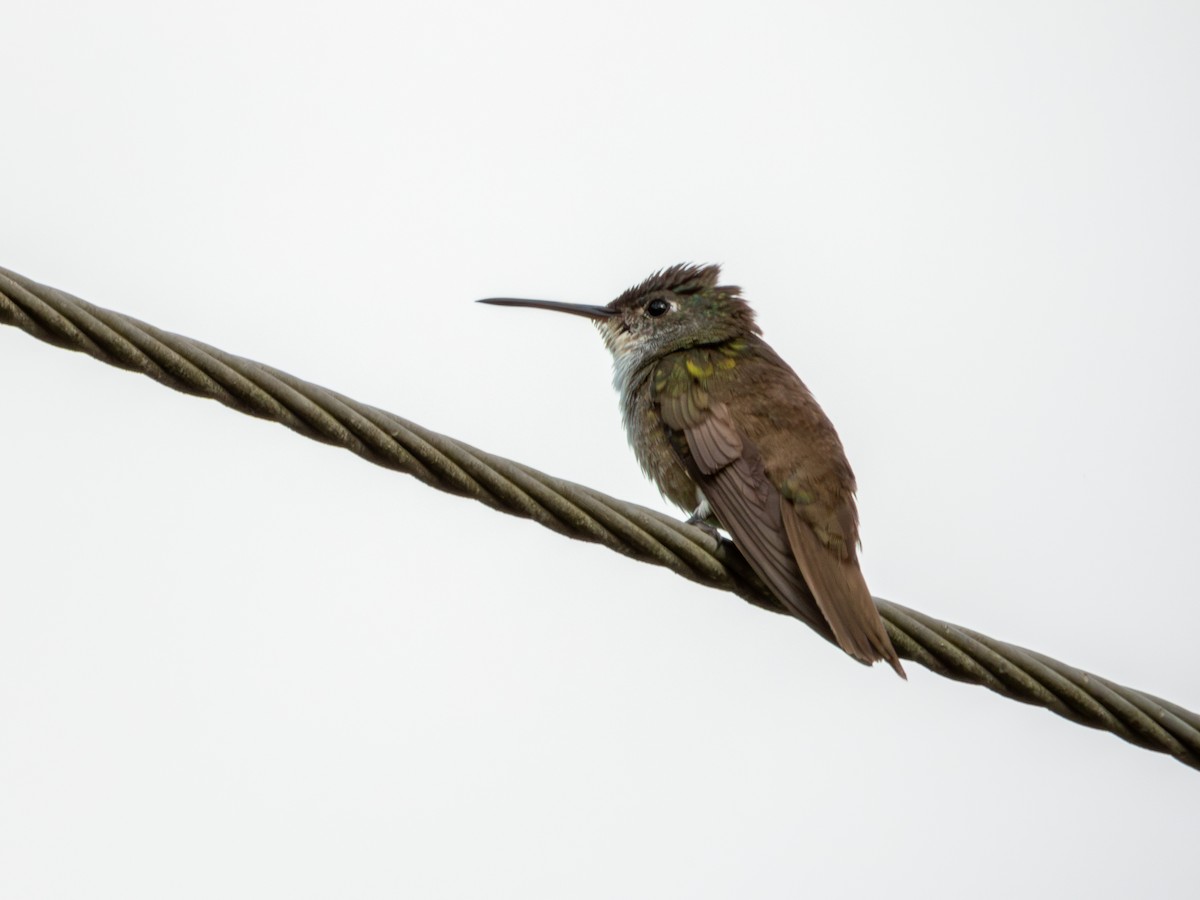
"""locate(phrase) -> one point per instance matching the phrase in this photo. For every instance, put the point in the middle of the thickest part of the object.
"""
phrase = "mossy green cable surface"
(571, 509)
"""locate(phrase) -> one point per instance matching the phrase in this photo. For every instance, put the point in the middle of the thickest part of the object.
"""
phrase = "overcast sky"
(237, 663)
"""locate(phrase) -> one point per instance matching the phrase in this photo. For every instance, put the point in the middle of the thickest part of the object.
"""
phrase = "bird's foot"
(697, 521)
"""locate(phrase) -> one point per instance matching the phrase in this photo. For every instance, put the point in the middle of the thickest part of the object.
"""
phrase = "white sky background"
(237, 663)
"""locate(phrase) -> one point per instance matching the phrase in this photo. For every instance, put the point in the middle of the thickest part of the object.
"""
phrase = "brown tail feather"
(841, 594)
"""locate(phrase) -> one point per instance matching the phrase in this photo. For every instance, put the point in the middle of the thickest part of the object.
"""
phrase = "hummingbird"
(727, 431)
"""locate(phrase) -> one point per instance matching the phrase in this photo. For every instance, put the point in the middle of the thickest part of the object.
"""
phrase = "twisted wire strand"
(572, 509)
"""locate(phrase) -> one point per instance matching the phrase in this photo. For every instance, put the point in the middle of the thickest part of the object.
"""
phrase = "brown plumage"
(724, 426)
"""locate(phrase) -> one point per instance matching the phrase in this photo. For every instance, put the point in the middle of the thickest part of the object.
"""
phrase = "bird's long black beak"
(595, 313)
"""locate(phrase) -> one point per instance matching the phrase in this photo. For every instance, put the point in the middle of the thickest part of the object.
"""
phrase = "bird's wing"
(810, 566)
(729, 471)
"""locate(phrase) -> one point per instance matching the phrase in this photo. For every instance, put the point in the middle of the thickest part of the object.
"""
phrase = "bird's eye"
(657, 308)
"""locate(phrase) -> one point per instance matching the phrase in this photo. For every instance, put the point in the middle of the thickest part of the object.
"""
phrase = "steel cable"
(571, 509)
